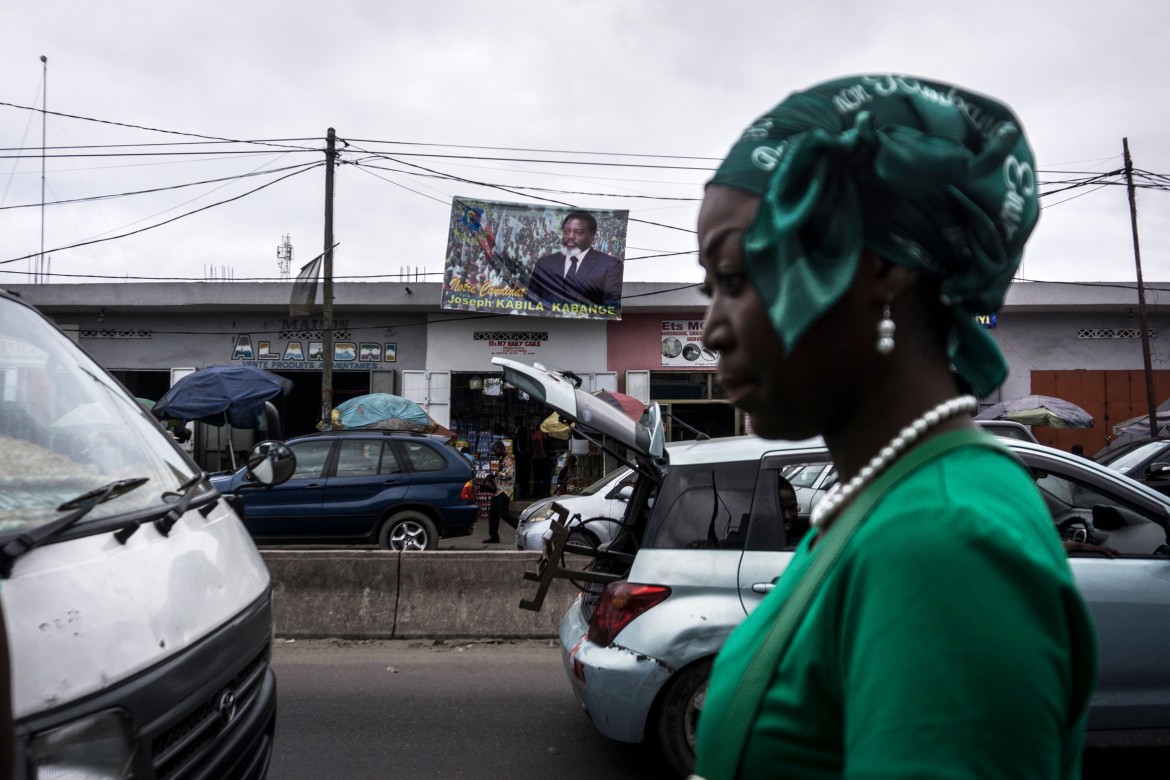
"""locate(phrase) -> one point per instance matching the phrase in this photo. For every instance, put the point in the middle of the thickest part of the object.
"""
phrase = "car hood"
(646, 437)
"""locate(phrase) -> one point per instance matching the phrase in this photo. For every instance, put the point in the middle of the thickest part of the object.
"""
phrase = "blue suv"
(400, 490)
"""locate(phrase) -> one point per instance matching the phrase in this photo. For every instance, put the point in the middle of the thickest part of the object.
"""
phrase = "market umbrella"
(1137, 427)
(1042, 410)
(219, 395)
(387, 412)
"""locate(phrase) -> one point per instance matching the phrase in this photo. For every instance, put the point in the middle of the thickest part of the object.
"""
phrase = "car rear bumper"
(616, 686)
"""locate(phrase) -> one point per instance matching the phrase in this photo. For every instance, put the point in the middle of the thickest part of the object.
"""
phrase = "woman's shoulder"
(967, 493)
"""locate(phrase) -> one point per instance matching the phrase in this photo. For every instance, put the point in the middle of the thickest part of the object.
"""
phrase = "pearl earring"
(885, 329)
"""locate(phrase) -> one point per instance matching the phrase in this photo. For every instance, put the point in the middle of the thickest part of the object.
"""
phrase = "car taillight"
(620, 603)
(468, 491)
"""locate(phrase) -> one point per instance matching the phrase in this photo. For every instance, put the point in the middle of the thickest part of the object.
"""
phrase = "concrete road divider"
(377, 594)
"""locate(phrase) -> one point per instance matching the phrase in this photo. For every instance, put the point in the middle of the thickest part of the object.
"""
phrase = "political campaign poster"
(535, 261)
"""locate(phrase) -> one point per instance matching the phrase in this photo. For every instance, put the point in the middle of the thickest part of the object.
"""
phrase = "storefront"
(462, 389)
(393, 337)
(662, 359)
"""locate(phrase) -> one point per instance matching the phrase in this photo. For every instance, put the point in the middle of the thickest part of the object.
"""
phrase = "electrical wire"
(70, 147)
(536, 151)
(1074, 197)
(164, 222)
(526, 188)
(150, 129)
(110, 196)
(512, 191)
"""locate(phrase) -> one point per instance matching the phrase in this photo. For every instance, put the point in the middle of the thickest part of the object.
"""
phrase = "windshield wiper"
(165, 521)
(186, 494)
(80, 506)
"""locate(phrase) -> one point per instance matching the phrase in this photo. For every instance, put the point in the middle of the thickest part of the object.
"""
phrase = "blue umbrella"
(218, 395)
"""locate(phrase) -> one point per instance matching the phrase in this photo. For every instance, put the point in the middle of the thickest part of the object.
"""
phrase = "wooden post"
(327, 314)
(1151, 403)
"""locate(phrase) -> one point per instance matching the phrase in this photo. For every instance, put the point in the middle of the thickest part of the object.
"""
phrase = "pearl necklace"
(838, 495)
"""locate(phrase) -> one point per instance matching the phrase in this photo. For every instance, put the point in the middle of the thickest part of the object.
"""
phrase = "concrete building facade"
(1077, 341)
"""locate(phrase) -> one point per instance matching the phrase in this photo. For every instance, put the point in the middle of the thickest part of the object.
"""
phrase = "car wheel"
(678, 717)
(583, 537)
(408, 531)
(587, 539)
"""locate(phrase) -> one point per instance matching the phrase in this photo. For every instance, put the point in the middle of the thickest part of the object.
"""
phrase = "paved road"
(416, 709)
(419, 709)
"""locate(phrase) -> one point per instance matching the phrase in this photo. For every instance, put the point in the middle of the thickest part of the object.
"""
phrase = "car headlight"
(544, 513)
(98, 747)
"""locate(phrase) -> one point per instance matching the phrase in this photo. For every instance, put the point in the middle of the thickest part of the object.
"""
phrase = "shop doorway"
(145, 384)
(300, 410)
(714, 419)
(484, 409)
(692, 404)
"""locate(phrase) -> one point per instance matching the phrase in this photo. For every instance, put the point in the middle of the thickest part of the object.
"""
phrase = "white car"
(594, 514)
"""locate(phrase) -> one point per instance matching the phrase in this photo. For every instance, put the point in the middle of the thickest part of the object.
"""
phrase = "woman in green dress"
(928, 624)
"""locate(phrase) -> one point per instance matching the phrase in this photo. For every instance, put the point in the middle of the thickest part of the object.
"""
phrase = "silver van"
(138, 610)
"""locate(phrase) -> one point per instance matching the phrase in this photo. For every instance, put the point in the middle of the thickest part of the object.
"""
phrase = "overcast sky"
(672, 82)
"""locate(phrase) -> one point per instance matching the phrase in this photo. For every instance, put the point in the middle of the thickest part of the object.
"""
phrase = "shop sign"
(504, 342)
(296, 353)
(682, 345)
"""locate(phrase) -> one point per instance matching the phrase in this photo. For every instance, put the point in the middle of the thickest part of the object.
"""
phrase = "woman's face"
(789, 397)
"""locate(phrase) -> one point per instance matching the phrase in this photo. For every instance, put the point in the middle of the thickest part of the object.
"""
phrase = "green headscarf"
(923, 174)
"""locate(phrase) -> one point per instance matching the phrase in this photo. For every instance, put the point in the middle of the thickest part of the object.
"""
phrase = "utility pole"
(1141, 290)
(327, 314)
(40, 277)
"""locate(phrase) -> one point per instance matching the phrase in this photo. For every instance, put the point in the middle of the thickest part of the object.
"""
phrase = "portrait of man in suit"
(578, 274)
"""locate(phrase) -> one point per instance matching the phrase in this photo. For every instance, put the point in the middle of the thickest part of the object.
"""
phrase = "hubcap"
(409, 536)
(694, 709)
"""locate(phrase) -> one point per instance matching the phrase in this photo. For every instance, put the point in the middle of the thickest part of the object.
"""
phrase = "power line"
(164, 222)
(366, 166)
(152, 145)
(160, 189)
(142, 127)
(512, 191)
(217, 152)
(537, 151)
(1074, 197)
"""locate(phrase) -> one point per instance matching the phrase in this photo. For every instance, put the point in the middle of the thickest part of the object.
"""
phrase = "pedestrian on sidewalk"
(504, 481)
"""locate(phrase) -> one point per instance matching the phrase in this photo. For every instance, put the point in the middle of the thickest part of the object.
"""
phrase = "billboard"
(537, 261)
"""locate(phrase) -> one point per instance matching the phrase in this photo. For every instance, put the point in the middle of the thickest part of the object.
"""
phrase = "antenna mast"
(284, 254)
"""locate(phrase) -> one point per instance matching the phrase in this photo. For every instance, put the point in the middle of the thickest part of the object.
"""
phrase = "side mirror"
(622, 493)
(1159, 469)
(270, 463)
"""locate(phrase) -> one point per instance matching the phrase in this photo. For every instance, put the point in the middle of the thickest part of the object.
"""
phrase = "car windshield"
(604, 482)
(1124, 460)
(66, 427)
